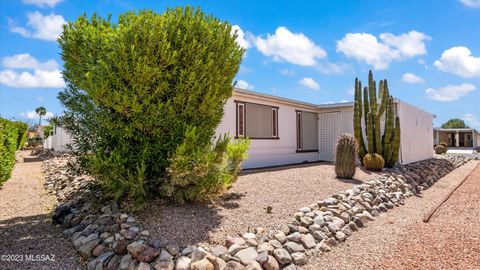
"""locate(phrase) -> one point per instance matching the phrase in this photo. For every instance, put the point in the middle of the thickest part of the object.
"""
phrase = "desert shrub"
(8, 146)
(34, 142)
(137, 89)
(199, 173)
(22, 133)
(440, 149)
(444, 144)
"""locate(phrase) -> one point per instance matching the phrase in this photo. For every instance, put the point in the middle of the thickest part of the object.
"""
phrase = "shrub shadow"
(35, 235)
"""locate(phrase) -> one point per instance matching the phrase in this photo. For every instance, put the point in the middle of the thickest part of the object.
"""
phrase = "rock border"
(108, 238)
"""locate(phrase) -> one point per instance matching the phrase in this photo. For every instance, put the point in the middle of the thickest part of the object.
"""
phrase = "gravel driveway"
(25, 224)
(285, 189)
(386, 242)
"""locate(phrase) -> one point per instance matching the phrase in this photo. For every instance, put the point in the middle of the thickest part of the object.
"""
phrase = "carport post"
(457, 139)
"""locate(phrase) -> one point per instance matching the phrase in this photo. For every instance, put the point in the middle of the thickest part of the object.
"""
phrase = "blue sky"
(310, 50)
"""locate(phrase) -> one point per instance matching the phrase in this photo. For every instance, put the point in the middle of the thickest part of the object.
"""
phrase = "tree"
(455, 123)
(41, 111)
(144, 97)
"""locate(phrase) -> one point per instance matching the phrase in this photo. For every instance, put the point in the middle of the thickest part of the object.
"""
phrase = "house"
(285, 131)
(457, 137)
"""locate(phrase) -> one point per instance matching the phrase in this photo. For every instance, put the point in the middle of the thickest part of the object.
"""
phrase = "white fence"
(58, 141)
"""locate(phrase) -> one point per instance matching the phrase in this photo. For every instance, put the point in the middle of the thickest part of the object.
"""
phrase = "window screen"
(259, 121)
(307, 131)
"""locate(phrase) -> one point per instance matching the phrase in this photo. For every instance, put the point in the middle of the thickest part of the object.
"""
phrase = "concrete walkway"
(28, 240)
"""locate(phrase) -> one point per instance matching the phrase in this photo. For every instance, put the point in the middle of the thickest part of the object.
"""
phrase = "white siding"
(416, 140)
(332, 123)
(269, 152)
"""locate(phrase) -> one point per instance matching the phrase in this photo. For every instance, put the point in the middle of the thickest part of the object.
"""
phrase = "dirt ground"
(26, 230)
(400, 240)
(285, 189)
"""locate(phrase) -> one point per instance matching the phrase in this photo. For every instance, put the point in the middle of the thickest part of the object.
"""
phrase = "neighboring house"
(285, 131)
(457, 137)
(58, 140)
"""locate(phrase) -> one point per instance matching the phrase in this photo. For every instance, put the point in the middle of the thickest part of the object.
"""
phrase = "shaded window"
(257, 121)
(307, 131)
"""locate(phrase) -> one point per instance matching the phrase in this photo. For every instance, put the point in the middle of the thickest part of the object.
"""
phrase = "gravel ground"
(377, 245)
(25, 224)
(450, 240)
(243, 206)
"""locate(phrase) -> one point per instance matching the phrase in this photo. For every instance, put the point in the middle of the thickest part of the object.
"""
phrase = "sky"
(429, 51)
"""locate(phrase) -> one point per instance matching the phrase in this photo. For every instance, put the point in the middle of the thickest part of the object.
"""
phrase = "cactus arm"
(373, 93)
(396, 143)
(383, 92)
(389, 121)
(358, 129)
(370, 132)
(366, 105)
(378, 136)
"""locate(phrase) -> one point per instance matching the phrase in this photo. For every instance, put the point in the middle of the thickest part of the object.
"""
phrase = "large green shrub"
(8, 146)
(141, 92)
(22, 133)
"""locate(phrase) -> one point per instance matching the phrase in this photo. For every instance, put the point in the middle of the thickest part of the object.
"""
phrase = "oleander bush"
(9, 141)
(144, 97)
(22, 134)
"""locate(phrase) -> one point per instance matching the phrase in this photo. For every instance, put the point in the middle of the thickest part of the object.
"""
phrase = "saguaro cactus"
(372, 109)
(347, 151)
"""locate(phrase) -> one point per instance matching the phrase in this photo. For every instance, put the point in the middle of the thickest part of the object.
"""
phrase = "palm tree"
(41, 111)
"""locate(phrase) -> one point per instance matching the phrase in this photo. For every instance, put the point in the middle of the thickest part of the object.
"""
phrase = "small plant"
(346, 156)
(440, 149)
(373, 162)
(444, 144)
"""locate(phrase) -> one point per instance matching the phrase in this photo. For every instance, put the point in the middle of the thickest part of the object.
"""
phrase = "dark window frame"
(245, 135)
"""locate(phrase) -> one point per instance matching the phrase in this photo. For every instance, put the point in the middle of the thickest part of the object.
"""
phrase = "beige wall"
(269, 152)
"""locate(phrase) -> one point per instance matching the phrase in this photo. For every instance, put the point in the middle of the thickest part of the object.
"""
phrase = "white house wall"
(416, 140)
(332, 123)
(58, 141)
(269, 152)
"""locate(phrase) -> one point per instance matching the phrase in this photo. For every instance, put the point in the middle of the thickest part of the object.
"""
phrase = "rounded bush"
(440, 149)
(139, 89)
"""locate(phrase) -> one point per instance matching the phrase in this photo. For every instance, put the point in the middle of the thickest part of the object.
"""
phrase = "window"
(307, 131)
(257, 121)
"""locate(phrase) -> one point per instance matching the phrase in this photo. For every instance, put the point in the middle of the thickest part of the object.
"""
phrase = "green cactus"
(373, 162)
(387, 144)
(346, 155)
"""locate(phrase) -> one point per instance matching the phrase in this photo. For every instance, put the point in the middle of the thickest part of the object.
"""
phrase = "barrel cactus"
(346, 156)
(373, 162)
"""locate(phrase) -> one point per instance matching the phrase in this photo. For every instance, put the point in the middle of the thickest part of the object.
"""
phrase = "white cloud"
(42, 3)
(27, 61)
(287, 72)
(472, 120)
(450, 92)
(379, 53)
(241, 37)
(37, 79)
(294, 48)
(34, 115)
(47, 27)
(412, 78)
(44, 75)
(471, 3)
(309, 83)
(459, 61)
(244, 85)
